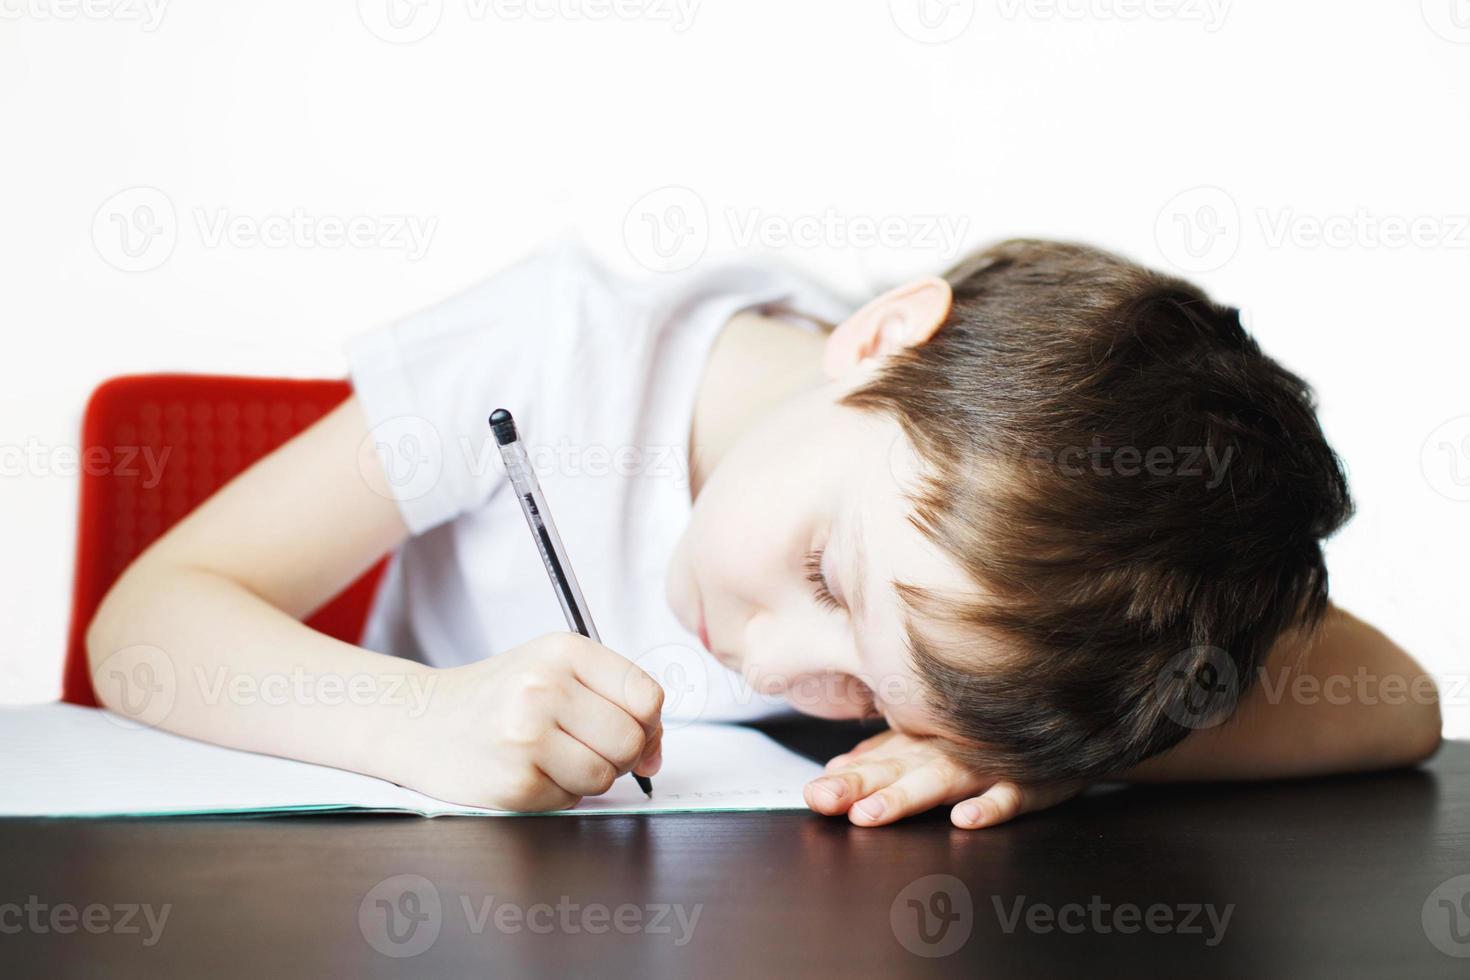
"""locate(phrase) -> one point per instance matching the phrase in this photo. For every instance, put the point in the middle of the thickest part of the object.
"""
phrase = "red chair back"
(153, 447)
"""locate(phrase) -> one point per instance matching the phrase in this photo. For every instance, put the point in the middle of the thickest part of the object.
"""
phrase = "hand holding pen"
(543, 532)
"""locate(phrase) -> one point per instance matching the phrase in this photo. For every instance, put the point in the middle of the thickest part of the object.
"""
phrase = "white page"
(61, 760)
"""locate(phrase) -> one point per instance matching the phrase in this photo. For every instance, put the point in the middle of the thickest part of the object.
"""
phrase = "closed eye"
(814, 575)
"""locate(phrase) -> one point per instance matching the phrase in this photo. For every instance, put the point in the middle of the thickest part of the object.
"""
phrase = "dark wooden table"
(1348, 877)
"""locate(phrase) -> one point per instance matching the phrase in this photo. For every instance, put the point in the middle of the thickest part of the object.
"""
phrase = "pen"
(543, 530)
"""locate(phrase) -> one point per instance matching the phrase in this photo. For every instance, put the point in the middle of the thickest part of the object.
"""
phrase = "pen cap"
(503, 426)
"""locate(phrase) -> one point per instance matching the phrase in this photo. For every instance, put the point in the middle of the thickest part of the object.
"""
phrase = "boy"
(1050, 517)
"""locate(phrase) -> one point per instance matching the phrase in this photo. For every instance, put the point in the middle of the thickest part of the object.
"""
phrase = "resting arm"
(1347, 699)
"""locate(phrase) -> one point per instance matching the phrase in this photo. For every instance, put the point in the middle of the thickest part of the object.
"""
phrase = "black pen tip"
(645, 784)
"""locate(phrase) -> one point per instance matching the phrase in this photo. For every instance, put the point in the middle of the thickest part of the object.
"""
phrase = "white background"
(506, 123)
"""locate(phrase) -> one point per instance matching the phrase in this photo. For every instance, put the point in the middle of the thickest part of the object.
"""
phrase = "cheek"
(743, 533)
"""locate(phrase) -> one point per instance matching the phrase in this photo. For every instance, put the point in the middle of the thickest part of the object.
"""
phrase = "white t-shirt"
(601, 375)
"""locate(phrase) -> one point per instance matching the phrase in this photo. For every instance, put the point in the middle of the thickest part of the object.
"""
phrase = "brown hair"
(1057, 413)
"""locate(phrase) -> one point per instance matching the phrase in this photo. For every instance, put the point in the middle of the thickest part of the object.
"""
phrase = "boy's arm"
(201, 636)
(1347, 700)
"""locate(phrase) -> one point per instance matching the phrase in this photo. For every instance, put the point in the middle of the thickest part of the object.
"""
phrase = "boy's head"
(1057, 480)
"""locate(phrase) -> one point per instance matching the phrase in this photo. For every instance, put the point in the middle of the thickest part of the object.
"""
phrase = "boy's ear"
(906, 316)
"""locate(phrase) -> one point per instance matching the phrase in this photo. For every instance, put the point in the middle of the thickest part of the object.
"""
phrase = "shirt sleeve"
(427, 383)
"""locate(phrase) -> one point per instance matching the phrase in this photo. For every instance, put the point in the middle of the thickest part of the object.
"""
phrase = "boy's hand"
(891, 776)
(537, 728)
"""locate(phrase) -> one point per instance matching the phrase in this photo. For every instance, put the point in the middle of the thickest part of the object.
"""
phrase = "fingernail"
(968, 814)
(830, 790)
(872, 808)
(656, 762)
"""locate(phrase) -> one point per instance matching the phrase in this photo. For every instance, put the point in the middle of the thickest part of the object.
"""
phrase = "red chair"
(201, 430)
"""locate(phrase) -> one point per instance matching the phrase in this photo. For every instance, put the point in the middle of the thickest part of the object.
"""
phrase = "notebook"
(61, 760)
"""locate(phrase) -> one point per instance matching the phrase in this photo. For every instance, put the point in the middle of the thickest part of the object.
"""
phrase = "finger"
(836, 792)
(916, 791)
(573, 766)
(602, 726)
(617, 679)
(866, 745)
(653, 756)
(1007, 800)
